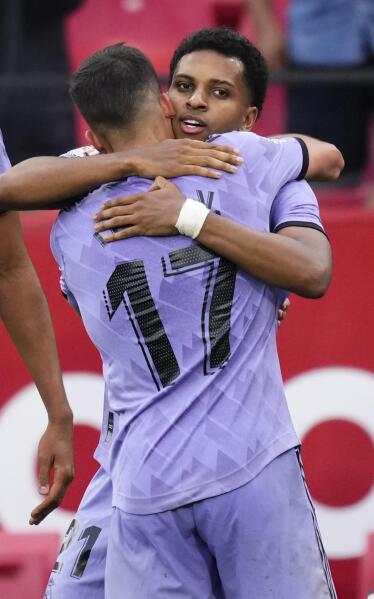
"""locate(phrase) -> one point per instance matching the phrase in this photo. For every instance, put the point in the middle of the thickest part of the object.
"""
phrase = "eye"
(221, 93)
(183, 86)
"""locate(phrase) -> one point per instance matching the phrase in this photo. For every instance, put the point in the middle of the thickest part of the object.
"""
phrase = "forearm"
(274, 258)
(326, 162)
(42, 182)
(24, 311)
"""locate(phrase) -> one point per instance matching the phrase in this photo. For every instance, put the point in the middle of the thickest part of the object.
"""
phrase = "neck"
(151, 131)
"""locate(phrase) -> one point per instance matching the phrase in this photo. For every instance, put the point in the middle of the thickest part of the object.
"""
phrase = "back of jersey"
(187, 340)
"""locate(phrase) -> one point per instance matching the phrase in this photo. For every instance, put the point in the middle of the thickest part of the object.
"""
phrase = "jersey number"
(128, 284)
(90, 535)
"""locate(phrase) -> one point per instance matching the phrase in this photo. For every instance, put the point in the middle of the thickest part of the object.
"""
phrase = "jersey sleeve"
(291, 162)
(4, 161)
(295, 206)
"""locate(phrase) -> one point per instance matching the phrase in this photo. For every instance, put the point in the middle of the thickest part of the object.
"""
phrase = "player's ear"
(167, 106)
(250, 118)
(94, 140)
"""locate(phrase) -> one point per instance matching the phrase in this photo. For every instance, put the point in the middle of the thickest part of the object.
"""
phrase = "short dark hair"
(110, 86)
(233, 45)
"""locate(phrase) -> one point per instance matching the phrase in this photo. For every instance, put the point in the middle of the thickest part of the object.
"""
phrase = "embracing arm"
(44, 182)
(24, 311)
(295, 258)
(326, 162)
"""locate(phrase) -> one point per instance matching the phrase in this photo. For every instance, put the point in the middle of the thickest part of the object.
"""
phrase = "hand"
(177, 157)
(153, 212)
(55, 451)
(282, 312)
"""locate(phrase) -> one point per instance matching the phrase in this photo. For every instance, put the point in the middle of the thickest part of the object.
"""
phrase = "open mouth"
(192, 125)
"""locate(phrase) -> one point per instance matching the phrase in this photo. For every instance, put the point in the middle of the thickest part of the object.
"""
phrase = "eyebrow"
(215, 81)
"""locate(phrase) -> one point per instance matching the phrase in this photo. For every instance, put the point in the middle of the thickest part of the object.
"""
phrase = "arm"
(46, 181)
(297, 258)
(21, 294)
(326, 162)
(270, 39)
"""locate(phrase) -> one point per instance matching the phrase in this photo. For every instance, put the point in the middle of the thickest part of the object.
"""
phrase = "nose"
(197, 100)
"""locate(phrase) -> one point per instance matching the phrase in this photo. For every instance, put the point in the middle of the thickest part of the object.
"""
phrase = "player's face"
(209, 95)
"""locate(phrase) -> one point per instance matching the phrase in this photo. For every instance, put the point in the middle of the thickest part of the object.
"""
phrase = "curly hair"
(233, 45)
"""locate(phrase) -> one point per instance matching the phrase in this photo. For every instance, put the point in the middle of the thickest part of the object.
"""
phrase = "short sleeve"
(295, 206)
(291, 162)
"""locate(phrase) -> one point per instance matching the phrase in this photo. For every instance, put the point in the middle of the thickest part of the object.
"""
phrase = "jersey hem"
(171, 501)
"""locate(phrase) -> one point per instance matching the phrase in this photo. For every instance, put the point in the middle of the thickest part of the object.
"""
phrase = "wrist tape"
(191, 218)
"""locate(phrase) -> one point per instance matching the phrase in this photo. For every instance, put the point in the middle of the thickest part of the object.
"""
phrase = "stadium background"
(326, 346)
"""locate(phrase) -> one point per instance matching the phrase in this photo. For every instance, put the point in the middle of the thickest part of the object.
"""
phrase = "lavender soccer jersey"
(4, 160)
(187, 341)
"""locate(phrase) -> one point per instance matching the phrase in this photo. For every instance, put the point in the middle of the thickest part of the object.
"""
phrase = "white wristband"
(191, 218)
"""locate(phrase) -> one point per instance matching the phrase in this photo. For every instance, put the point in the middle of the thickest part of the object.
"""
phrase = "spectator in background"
(330, 35)
(35, 108)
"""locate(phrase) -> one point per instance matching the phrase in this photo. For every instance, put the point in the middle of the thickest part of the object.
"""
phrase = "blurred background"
(321, 54)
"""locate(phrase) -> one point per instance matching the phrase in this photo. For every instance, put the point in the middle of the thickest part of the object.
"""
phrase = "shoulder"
(297, 188)
(246, 139)
(234, 138)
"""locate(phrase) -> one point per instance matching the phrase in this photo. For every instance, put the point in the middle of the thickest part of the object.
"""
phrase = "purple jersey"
(195, 401)
(4, 160)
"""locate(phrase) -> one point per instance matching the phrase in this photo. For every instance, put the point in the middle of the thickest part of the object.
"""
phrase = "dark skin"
(222, 101)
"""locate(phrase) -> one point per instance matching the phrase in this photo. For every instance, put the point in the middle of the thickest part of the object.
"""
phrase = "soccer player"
(200, 445)
(24, 312)
(233, 103)
(167, 150)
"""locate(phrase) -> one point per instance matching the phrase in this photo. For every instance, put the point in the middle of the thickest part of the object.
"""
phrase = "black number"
(218, 296)
(90, 534)
(129, 280)
(128, 283)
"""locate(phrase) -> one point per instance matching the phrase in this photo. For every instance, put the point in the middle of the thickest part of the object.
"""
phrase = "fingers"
(159, 183)
(63, 478)
(210, 161)
(225, 157)
(114, 222)
(106, 212)
(45, 464)
(41, 511)
(120, 201)
(206, 146)
(122, 234)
